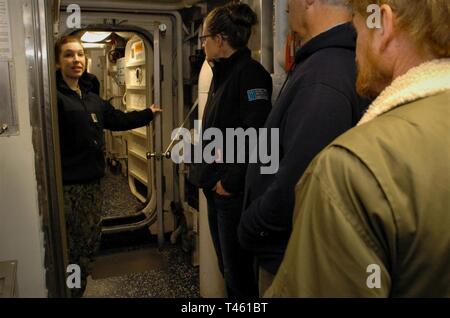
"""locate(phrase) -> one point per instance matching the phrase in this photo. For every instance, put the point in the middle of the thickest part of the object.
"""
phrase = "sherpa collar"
(425, 80)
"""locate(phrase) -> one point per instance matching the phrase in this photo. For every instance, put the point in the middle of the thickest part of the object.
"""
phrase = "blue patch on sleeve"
(257, 94)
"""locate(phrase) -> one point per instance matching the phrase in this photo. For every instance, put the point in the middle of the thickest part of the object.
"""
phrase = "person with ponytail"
(240, 97)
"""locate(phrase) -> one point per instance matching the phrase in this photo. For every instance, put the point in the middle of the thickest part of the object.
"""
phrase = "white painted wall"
(21, 237)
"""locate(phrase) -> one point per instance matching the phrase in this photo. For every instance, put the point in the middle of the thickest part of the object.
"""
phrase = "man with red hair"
(372, 210)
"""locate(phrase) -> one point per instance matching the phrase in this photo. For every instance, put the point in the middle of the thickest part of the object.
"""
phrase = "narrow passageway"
(132, 265)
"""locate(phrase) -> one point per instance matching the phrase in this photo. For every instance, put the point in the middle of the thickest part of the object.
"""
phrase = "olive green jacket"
(372, 215)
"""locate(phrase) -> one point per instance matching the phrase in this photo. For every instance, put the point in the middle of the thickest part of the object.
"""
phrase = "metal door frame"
(45, 135)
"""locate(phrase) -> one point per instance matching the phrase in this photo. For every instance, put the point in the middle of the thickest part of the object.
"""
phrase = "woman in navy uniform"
(240, 97)
(83, 116)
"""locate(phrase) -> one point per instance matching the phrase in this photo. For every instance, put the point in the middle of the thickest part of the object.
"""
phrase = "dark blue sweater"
(318, 103)
(81, 124)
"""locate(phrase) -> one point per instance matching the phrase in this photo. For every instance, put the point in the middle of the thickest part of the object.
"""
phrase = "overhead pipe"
(260, 41)
(134, 5)
(280, 36)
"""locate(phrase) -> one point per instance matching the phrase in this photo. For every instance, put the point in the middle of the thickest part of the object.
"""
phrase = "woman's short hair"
(234, 22)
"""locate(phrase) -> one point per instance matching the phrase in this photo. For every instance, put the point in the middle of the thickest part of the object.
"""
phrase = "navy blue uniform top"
(318, 103)
(81, 124)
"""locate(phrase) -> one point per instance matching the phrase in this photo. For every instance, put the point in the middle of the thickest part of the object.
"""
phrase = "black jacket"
(93, 81)
(240, 97)
(81, 124)
(319, 103)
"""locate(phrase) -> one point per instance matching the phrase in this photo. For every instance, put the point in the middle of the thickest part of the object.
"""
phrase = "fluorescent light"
(94, 37)
(94, 45)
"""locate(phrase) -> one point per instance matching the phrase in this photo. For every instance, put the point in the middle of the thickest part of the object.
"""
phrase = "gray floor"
(144, 272)
(118, 200)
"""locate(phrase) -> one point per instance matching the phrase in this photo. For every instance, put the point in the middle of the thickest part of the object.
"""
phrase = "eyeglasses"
(204, 37)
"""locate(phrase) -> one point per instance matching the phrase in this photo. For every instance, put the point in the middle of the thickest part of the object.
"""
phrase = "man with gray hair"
(318, 103)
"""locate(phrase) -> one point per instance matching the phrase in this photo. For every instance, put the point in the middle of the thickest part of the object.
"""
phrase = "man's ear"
(386, 33)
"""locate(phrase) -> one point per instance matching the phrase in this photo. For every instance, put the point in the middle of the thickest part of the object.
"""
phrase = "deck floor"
(139, 271)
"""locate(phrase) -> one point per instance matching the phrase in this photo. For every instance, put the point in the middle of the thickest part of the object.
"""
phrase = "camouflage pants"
(83, 209)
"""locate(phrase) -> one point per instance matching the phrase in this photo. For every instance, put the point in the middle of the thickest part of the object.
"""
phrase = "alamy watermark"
(236, 146)
(73, 280)
(374, 19)
(374, 279)
(74, 19)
